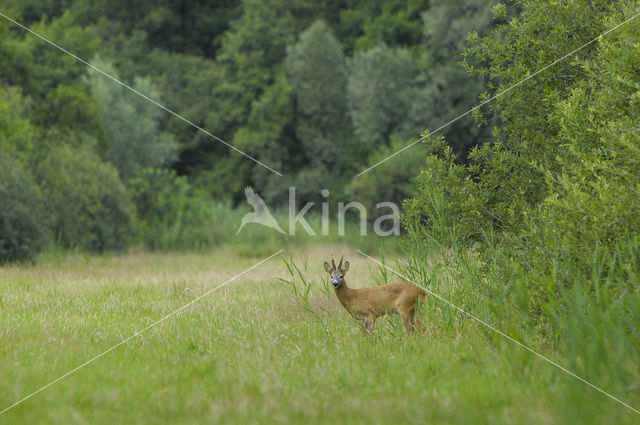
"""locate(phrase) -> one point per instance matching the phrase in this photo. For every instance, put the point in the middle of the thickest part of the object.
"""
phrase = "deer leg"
(408, 318)
(414, 322)
(420, 326)
(370, 323)
(364, 327)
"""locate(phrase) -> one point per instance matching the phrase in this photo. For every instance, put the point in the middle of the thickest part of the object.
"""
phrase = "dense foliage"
(541, 224)
(562, 169)
(88, 204)
(316, 91)
(23, 223)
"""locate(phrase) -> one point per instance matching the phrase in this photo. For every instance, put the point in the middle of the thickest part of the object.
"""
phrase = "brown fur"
(367, 304)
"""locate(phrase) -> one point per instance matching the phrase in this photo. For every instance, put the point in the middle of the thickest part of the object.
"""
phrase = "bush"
(172, 215)
(391, 181)
(552, 203)
(595, 198)
(567, 151)
(90, 207)
(132, 126)
(23, 223)
(17, 134)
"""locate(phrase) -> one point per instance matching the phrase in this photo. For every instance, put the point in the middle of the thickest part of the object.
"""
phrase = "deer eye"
(340, 276)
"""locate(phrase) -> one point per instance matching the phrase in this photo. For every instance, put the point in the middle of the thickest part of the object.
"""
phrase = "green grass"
(248, 353)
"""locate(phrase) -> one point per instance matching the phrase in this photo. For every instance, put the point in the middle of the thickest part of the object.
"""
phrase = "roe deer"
(367, 304)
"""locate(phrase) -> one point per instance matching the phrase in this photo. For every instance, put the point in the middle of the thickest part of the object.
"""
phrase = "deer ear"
(327, 267)
(345, 267)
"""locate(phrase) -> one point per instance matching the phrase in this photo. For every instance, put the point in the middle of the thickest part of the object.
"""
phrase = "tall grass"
(250, 353)
(587, 322)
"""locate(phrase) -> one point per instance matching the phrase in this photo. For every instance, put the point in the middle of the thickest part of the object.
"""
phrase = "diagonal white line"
(502, 333)
(499, 94)
(139, 94)
(139, 332)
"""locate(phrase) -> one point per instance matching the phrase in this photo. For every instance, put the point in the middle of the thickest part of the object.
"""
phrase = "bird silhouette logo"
(260, 214)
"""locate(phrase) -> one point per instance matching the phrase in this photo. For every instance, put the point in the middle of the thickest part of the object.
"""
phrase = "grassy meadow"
(251, 353)
(505, 133)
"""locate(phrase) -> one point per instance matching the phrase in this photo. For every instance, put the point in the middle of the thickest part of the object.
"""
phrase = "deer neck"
(344, 294)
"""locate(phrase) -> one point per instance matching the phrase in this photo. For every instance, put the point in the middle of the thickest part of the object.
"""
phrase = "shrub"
(17, 134)
(132, 131)
(552, 203)
(172, 215)
(90, 207)
(23, 223)
(565, 156)
(595, 198)
(391, 181)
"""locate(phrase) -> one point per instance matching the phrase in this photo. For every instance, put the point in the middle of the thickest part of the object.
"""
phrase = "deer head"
(336, 273)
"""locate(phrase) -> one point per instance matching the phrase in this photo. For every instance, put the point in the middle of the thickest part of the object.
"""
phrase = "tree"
(391, 181)
(15, 55)
(594, 187)
(69, 108)
(247, 73)
(47, 67)
(540, 157)
(448, 90)
(18, 136)
(394, 23)
(382, 86)
(382, 83)
(23, 220)
(317, 71)
(184, 26)
(134, 139)
(89, 205)
(269, 134)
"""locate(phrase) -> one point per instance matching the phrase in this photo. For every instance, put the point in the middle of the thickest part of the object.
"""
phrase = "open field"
(247, 353)
(173, 175)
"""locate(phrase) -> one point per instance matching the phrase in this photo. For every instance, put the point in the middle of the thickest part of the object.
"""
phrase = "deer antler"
(340, 265)
(333, 263)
